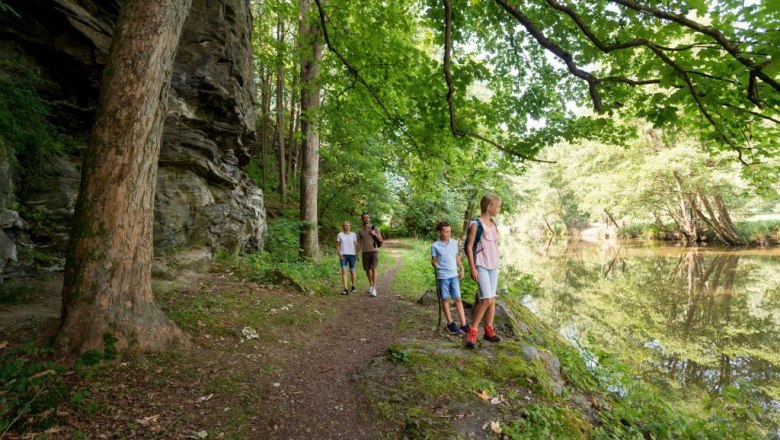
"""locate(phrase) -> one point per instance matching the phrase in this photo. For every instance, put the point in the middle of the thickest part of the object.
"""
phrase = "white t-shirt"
(347, 243)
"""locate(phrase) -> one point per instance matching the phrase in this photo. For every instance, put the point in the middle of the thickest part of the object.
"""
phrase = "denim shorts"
(348, 260)
(449, 288)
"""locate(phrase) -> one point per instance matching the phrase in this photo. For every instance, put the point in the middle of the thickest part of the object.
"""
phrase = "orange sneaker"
(490, 334)
(471, 338)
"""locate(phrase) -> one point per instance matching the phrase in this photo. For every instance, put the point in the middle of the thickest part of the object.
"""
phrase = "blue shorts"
(348, 260)
(449, 288)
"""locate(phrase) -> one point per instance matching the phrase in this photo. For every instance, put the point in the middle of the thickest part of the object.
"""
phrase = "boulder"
(428, 298)
(551, 363)
(196, 259)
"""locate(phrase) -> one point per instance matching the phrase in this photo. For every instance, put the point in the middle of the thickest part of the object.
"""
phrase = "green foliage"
(548, 421)
(759, 231)
(398, 356)
(16, 293)
(5, 8)
(637, 188)
(24, 120)
(32, 388)
(281, 263)
(283, 237)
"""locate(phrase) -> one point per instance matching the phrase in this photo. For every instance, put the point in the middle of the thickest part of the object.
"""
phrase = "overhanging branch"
(730, 46)
(456, 131)
(592, 80)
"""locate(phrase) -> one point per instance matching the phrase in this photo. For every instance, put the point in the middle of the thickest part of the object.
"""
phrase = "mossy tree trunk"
(107, 286)
(311, 45)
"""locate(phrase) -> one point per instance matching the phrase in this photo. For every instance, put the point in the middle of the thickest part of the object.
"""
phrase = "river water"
(700, 322)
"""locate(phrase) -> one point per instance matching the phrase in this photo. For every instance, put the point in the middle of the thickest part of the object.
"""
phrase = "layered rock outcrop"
(203, 196)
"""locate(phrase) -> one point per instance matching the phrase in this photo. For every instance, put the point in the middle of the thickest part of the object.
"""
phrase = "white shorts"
(488, 282)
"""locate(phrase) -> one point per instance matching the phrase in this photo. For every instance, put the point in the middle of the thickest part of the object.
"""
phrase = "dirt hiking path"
(294, 381)
(315, 397)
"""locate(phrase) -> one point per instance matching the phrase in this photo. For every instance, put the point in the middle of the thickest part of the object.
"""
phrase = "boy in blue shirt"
(446, 259)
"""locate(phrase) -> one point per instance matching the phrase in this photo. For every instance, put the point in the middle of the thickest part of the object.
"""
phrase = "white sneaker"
(370, 289)
(373, 291)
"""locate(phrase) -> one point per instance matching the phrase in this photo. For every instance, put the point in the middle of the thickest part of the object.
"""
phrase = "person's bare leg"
(445, 306)
(461, 313)
(354, 278)
(479, 311)
(344, 277)
(373, 277)
(490, 313)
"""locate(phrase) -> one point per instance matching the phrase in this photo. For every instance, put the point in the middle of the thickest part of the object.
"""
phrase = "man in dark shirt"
(369, 240)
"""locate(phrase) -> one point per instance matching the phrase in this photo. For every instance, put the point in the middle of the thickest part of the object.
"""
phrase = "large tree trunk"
(311, 55)
(107, 286)
(690, 227)
(280, 109)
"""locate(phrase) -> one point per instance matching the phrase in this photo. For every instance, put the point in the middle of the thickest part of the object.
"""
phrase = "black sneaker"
(465, 328)
(353, 289)
(453, 328)
(345, 292)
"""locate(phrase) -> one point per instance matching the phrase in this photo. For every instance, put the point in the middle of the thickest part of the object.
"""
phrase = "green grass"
(416, 274)
(440, 373)
(225, 313)
(12, 293)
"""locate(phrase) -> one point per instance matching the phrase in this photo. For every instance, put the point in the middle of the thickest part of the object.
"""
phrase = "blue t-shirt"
(445, 254)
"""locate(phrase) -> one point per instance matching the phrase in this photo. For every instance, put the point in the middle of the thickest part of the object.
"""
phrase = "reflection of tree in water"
(697, 319)
(574, 272)
(704, 310)
(704, 282)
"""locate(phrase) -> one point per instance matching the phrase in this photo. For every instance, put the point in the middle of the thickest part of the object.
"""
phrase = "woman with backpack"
(482, 253)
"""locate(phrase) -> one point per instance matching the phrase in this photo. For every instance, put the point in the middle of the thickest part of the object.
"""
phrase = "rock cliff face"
(203, 196)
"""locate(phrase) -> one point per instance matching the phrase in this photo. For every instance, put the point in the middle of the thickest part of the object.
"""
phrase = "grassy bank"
(595, 397)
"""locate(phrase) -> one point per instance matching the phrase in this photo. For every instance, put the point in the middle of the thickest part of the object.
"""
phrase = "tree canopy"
(460, 94)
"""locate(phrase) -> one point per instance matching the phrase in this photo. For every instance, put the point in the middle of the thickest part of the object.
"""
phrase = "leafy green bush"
(761, 232)
(282, 257)
(24, 120)
(30, 388)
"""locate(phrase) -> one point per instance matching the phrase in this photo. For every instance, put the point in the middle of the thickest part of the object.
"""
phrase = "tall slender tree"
(280, 108)
(311, 56)
(107, 287)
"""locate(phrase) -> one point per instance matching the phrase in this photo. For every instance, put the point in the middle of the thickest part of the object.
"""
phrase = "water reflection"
(705, 319)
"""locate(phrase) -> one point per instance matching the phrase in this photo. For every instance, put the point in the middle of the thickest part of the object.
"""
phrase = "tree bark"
(690, 227)
(107, 284)
(725, 219)
(293, 123)
(265, 111)
(311, 55)
(468, 213)
(280, 109)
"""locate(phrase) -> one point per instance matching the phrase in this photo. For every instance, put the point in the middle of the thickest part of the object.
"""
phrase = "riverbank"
(281, 354)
